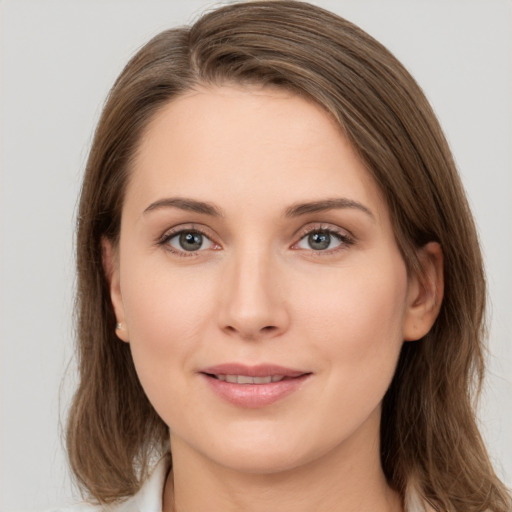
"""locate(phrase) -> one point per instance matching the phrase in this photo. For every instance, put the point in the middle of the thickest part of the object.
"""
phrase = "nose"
(253, 303)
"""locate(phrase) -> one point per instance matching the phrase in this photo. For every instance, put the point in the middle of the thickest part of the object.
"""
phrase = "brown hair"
(429, 437)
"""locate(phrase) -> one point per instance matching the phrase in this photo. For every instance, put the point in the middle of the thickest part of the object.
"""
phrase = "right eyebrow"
(186, 204)
(327, 204)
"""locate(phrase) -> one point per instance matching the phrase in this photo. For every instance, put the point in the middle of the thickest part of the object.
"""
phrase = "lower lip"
(253, 396)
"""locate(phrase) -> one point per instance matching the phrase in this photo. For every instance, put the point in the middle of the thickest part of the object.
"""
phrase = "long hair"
(429, 438)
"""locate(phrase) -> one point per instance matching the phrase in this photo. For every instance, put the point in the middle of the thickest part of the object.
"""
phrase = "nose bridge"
(252, 304)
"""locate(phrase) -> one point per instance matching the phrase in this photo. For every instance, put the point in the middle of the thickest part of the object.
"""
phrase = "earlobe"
(425, 293)
(111, 269)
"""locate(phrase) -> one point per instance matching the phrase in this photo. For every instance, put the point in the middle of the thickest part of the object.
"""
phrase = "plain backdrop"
(58, 59)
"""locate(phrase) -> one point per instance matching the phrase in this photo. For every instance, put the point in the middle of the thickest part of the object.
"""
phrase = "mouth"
(247, 379)
(254, 386)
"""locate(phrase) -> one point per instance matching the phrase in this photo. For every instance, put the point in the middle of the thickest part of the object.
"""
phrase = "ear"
(425, 293)
(111, 269)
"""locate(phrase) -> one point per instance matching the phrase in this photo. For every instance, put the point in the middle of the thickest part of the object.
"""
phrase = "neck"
(349, 478)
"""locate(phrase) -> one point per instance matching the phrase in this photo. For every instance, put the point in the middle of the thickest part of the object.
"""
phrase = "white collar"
(150, 495)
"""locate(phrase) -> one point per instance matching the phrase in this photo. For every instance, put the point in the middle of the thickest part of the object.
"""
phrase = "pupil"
(319, 241)
(191, 241)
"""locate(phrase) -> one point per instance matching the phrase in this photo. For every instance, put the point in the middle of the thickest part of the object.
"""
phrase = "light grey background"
(58, 59)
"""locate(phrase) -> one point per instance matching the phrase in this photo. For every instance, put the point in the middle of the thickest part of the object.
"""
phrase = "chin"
(262, 461)
(263, 450)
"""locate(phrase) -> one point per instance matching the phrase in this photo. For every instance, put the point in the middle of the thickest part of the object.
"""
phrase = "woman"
(279, 280)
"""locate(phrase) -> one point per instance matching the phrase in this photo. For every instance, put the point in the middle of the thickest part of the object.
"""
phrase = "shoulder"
(147, 499)
(129, 505)
(413, 501)
(76, 507)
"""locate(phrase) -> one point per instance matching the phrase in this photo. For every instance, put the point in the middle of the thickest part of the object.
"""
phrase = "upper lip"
(260, 370)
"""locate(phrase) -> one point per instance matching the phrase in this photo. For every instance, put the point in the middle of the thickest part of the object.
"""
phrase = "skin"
(258, 292)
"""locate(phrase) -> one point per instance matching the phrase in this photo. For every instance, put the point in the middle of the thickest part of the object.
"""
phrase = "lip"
(260, 370)
(254, 395)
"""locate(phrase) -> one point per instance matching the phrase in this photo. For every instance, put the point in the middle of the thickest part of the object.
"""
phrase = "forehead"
(254, 143)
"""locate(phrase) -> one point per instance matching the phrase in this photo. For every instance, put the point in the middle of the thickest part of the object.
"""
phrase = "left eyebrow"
(183, 203)
(299, 209)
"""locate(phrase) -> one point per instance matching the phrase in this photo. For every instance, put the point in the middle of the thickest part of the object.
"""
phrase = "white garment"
(149, 497)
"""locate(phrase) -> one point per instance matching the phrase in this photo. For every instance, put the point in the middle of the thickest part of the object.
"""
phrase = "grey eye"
(189, 241)
(319, 241)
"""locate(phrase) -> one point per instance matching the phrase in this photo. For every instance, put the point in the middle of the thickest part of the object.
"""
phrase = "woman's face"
(258, 281)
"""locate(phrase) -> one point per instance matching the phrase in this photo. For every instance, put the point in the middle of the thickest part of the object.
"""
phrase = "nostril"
(265, 331)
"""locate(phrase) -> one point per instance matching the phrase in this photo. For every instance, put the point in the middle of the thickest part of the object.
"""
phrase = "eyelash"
(344, 239)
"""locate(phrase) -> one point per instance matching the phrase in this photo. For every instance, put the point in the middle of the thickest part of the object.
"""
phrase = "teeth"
(262, 380)
(242, 379)
(245, 379)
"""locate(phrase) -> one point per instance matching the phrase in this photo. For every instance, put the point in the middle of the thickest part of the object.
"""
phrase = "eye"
(188, 240)
(323, 240)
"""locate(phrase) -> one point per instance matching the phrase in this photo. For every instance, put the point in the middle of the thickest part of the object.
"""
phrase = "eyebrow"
(326, 204)
(295, 210)
(186, 204)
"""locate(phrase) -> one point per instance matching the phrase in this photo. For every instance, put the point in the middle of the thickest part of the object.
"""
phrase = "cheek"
(355, 330)
(165, 313)
(357, 317)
